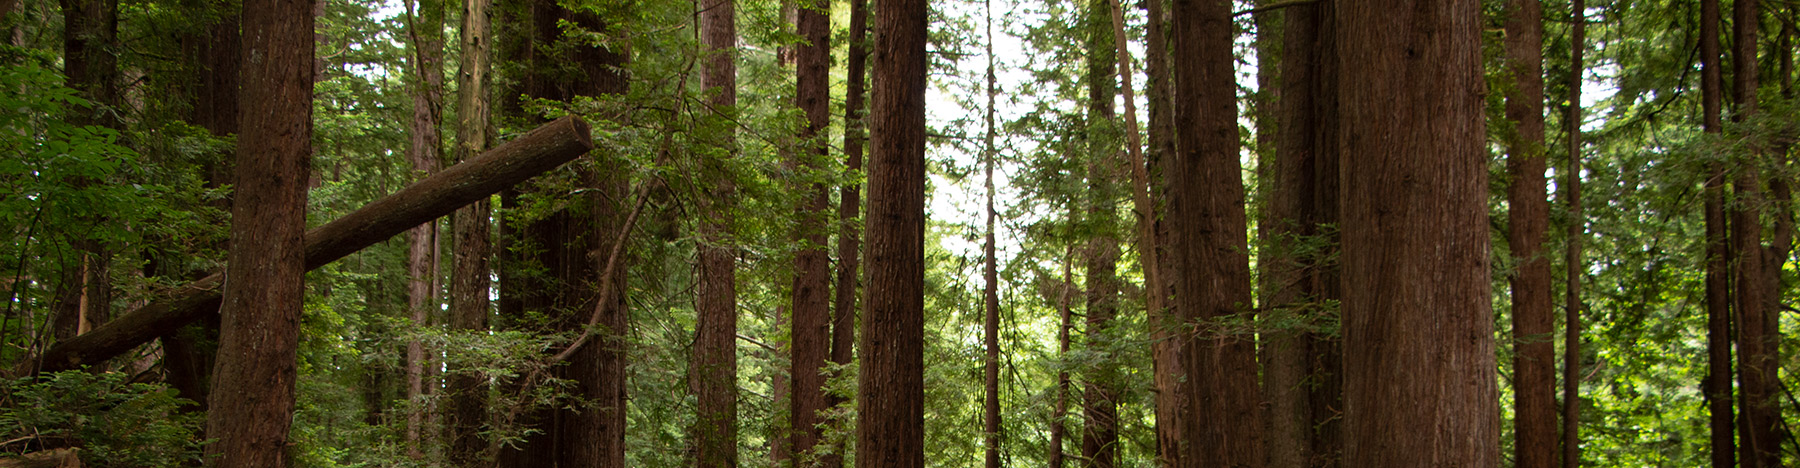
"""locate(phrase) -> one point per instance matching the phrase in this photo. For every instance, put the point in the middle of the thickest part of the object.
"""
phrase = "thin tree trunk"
(253, 401)
(779, 449)
(1066, 292)
(1143, 208)
(1419, 387)
(843, 326)
(714, 372)
(1534, 358)
(1718, 296)
(890, 431)
(1207, 230)
(1100, 432)
(1757, 368)
(1571, 385)
(90, 43)
(990, 271)
(810, 337)
(469, 283)
(425, 31)
(1164, 359)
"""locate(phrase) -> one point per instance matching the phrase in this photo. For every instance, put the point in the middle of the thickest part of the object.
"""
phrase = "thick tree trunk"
(1100, 432)
(810, 337)
(541, 150)
(253, 402)
(990, 276)
(1419, 387)
(890, 430)
(1534, 357)
(1302, 375)
(469, 281)
(1717, 385)
(1207, 234)
(425, 32)
(849, 246)
(1571, 400)
(1163, 326)
(1757, 343)
(714, 372)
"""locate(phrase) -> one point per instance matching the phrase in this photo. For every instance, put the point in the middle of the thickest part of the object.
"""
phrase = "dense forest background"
(686, 292)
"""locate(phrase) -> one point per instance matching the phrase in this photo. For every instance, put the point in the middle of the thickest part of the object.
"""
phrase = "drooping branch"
(542, 149)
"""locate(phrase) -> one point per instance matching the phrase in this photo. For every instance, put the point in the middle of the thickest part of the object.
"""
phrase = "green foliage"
(114, 423)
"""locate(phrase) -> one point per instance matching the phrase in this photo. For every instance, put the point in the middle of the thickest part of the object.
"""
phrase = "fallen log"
(543, 149)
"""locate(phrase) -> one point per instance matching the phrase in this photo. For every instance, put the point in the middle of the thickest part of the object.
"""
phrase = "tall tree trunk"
(90, 62)
(1207, 234)
(1534, 358)
(1757, 368)
(469, 281)
(990, 270)
(1571, 406)
(1163, 326)
(849, 247)
(890, 430)
(253, 399)
(1718, 296)
(425, 31)
(1066, 292)
(714, 372)
(1149, 259)
(810, 338)
(1419, 387)
(1100, 433)
(1302, 374)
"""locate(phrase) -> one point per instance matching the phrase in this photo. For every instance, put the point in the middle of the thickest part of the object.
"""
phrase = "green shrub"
(114, 423)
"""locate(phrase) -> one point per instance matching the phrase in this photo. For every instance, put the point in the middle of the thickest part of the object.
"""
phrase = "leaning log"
(534, 153)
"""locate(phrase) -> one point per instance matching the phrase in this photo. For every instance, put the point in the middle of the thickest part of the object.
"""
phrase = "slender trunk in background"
(890, 426)
(1718, 296)
(1534, 326)
(188, 353)
(1065, 291)
(810, 337)
(1142, 206)
(469, 281)
(713, 375)
(1303, 381)
(1756, 330)
(778, 395)
(1420, 386)
(425, 31)
(91, 65)
(990, 271)
(1164, 360)
(253, 399)
(849, 247)
(1207, 234)
(1100, 431)
(1571, 385)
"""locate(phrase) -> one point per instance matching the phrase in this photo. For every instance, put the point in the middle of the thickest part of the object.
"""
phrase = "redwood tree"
(1528, 218)
(252, 402)
(1757, 365)
(1207, 229)
(810, 337)
(469, 282)
(714, 370)
(890, 426)
(1419, 383)
(1100, 431)
(1717, 385)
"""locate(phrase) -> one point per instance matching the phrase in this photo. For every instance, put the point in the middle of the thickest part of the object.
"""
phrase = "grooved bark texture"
(252, 402)
(469, 280)
(1302, 375)
(1534, 356)
(1419, 383)
(849, 243)
(1207, 232)
(1161, 149)
(890, 426)
(1718, 287)
(714, 372)
(425, 151)
(811, 333)
(1758, 338)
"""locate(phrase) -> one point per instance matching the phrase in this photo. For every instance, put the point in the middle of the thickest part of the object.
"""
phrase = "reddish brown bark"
(1161, 149)
(1301, 370)
(253, 399)
(424, 151)
(1419, 387)
(713, 376)
(990, 276)
(849, 242)
(890, 429)
(1756, 327)
(810, 337)
(1534, 358)
(1207, 236)
(1717, 385)
(1571, 401)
